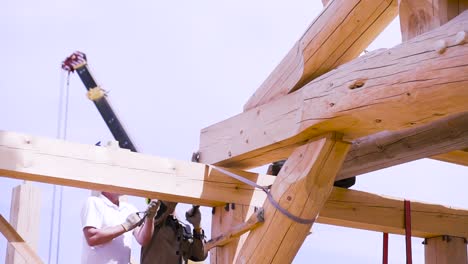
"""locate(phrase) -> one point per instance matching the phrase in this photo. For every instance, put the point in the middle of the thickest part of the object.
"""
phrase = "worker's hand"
(193, 216)
(131, 222)
(152, 209)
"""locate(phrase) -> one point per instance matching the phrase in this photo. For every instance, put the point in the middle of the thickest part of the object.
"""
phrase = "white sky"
(173, 68)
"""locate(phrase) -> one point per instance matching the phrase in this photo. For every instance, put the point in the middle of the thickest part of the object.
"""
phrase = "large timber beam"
(339, 34)
(420, 16)
(412, 84)
(302, 187)
(389, 148)
(357, 209)
(117, 170)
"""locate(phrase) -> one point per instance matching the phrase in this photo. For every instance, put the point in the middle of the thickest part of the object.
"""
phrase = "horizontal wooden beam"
(116, 170)
(459, 157)
(85, 166)
(339, 34)
(386, 90)
(18, 243)
(357, 209)
(389, 148)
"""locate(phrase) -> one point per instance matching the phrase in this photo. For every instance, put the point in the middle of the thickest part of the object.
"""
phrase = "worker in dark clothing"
(172, 241)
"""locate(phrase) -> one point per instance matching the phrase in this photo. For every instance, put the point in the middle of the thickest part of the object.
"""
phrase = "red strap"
(385, 249)
(408, 232)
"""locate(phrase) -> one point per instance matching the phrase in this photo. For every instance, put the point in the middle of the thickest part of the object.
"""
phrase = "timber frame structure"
(332, 114)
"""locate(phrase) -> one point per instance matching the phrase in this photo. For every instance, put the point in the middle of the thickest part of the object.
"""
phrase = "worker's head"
(168, 207)
(113, 197)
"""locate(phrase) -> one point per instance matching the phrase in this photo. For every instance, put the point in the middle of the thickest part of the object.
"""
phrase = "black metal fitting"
(196, 156)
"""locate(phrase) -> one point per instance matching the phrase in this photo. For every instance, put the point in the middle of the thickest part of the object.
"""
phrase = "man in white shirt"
(106, 222)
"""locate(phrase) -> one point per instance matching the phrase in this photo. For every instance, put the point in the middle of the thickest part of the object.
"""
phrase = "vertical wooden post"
(24, 217)
(419, 16)
(224, 218)
(445, 250)
(301, 188)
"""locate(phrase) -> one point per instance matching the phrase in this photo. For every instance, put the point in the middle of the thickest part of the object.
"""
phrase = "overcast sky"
(171, 69)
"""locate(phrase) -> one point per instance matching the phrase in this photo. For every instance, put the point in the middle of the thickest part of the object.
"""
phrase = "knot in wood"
(357, 84)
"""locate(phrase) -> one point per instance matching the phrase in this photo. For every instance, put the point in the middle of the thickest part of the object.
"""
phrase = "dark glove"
(153, 208)
(193, 216)
(131, 222)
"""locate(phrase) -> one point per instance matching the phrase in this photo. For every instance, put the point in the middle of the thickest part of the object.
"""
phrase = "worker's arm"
(98, 236)
(144, 232)
(198, 245)
(197, 250)
(95, 236)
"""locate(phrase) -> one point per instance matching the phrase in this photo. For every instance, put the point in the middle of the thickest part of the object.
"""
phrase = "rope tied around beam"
(266, 189)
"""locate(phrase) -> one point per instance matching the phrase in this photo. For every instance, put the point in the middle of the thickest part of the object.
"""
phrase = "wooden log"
(420, 16)
(389, 148)
(302, 187)
(459, 157)
(24, 217)
(386, 90)
(18, 243)
(417, 17)
(357, 209)
(339, 34)
(445, 250)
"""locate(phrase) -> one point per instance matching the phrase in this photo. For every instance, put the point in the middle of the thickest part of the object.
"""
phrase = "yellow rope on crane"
(95, 93)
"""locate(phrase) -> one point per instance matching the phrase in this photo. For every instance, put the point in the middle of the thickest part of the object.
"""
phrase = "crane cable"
(61, 133)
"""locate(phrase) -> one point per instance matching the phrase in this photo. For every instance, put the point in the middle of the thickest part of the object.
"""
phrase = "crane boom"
(77, 62)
